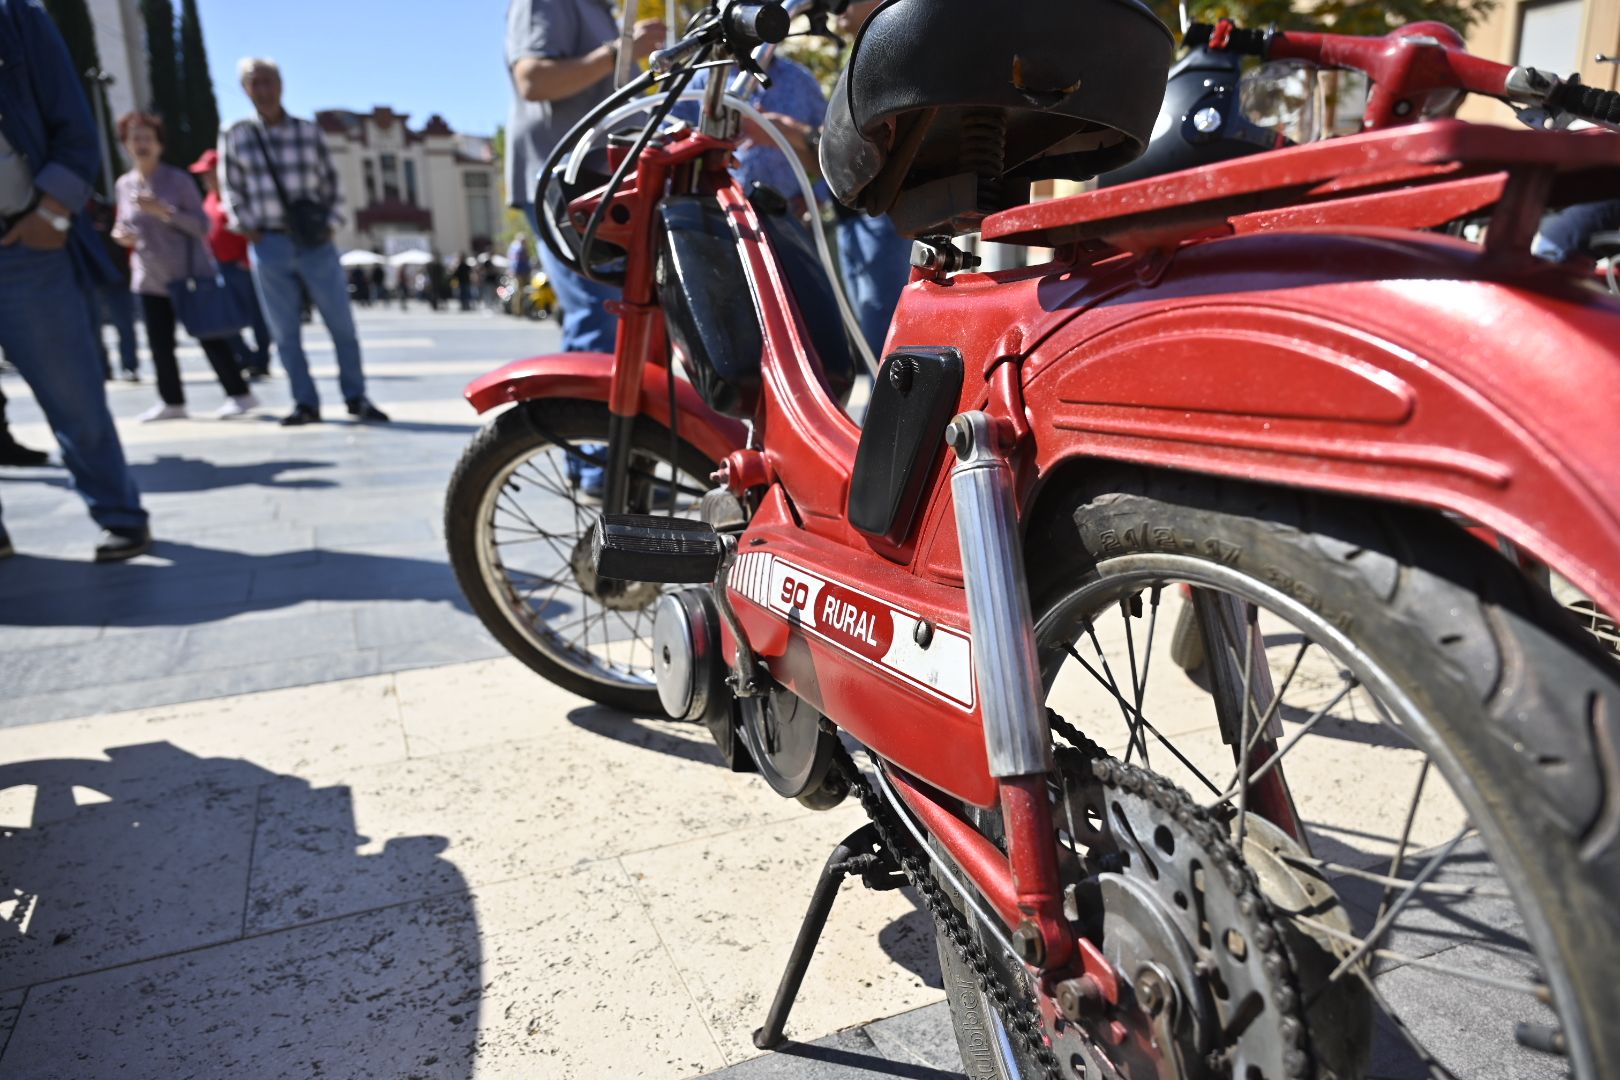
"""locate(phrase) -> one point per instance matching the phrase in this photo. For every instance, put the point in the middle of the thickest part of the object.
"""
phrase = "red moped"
(1368, 820)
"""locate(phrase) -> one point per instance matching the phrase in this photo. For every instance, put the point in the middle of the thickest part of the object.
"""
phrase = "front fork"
(1007, 669)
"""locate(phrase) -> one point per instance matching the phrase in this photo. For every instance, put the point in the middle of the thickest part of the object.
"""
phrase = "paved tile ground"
(269, 808)
(284, 556)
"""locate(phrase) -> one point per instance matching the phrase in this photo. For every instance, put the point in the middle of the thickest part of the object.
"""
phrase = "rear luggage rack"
(1418, 176)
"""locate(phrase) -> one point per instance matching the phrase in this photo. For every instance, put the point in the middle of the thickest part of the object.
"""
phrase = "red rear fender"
(589, 376)
(1406, 369)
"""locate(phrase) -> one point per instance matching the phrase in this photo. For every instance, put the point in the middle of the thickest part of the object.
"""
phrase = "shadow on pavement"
(171, 473)
(861, 1064)
(184, 584)
(647, 733)
(125, 911)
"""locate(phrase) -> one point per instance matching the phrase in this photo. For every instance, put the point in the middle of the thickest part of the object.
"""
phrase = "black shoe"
(117, 545)
(255, 374)
(363, 410)
(14, 453)
(301, 415)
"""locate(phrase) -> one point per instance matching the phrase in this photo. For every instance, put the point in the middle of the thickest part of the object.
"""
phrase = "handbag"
(307, 220)
(203, 304)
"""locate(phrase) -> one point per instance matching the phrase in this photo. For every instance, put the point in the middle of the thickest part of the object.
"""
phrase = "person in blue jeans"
(875, 262)
(49, 157)
(561, 56)
(269, 164)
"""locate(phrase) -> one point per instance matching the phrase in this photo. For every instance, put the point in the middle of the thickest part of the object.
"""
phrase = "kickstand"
(861, 854)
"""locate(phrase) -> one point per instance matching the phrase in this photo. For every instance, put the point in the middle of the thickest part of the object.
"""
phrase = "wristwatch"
(59, 222)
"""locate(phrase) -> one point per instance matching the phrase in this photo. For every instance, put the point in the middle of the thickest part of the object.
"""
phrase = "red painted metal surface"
(1371, 362)
(588, 377)
(1159, 210)
(1026, 815)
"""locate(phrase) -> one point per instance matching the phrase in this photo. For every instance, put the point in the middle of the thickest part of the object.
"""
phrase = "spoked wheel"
(518, 523)
(1375, 831)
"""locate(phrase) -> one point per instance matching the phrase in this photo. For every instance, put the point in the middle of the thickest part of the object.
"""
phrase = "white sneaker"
(160, 411)
(236, 406)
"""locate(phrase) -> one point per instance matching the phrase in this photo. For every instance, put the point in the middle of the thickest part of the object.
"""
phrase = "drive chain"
(1084, 758)
(1017, 1013)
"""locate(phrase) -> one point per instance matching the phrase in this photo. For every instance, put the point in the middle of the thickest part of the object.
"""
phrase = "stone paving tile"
(496, 814)
(731, 943)
(915, 1045)
(227, 643)
(118, 880)
(246, 678)
(10, 1007)
(922, 1036)
(509, 973)
(69, 667)
(153, 751)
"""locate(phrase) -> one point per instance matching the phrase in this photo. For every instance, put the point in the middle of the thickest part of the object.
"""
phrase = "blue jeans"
(239, 280)
(1564, 234)
(45, 330)
(586, 327)
(278, 269)
(875, 262)
(117, 306)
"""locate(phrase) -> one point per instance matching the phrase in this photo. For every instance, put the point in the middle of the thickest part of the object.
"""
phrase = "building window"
(1550, 35)
(480, 205)
(410, 182)
(390, 178)
(370, 169)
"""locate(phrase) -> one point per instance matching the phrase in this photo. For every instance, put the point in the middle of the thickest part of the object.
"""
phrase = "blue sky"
(418, 56)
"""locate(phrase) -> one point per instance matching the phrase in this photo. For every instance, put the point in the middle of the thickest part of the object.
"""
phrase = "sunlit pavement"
(269, 808)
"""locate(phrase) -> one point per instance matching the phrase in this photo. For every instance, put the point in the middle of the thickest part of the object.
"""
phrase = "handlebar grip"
(763, 23)
(1225, 37)
(1587, 102)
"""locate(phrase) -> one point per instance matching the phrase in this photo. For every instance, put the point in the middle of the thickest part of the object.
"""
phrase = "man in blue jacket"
(48, 250)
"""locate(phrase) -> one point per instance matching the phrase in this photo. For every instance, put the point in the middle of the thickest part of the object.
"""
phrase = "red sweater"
(228, 247)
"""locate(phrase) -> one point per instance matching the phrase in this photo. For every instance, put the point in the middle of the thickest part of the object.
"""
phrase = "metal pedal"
(641, 547)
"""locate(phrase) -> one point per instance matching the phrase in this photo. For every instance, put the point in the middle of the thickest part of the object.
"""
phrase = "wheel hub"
(611, 593)
(1211, 984)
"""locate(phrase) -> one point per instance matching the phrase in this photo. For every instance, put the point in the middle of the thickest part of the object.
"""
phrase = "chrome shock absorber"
(1007, 669)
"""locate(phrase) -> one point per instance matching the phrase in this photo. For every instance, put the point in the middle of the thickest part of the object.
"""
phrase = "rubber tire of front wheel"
(518, 431)
(1524, 700)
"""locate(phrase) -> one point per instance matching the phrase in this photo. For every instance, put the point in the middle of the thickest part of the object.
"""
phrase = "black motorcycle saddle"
(948, 108)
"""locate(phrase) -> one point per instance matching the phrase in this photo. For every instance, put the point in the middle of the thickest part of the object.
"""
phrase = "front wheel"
(517, 521)
(1409, 752)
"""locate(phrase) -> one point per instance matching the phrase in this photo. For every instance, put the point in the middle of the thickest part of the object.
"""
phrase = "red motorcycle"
(1368, 822)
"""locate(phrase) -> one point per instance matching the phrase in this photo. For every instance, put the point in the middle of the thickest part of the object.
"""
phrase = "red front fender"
(588, 376)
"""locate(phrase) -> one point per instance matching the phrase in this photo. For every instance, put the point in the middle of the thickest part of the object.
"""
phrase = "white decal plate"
(860, 624)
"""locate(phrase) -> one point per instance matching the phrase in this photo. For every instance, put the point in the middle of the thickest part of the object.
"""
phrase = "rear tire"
(1515, 706)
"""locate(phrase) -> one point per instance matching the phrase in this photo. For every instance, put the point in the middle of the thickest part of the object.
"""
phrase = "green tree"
(72, 18)
(163, 57)
(201, 115)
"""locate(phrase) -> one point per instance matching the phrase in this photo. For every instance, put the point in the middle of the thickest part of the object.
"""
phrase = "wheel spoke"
(1384, 879)
(1406, 836)
(1387, 918)
(1250, 622)
(1136, 685)
(1292, 741)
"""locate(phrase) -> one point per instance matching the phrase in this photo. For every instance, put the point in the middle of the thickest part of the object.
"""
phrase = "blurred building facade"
(428, 188)
(121, 45)
(1555, 35)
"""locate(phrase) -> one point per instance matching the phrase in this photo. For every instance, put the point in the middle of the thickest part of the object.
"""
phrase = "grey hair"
(246, 66)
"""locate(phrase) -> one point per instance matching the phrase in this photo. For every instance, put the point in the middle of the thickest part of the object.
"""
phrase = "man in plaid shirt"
(253, 155)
